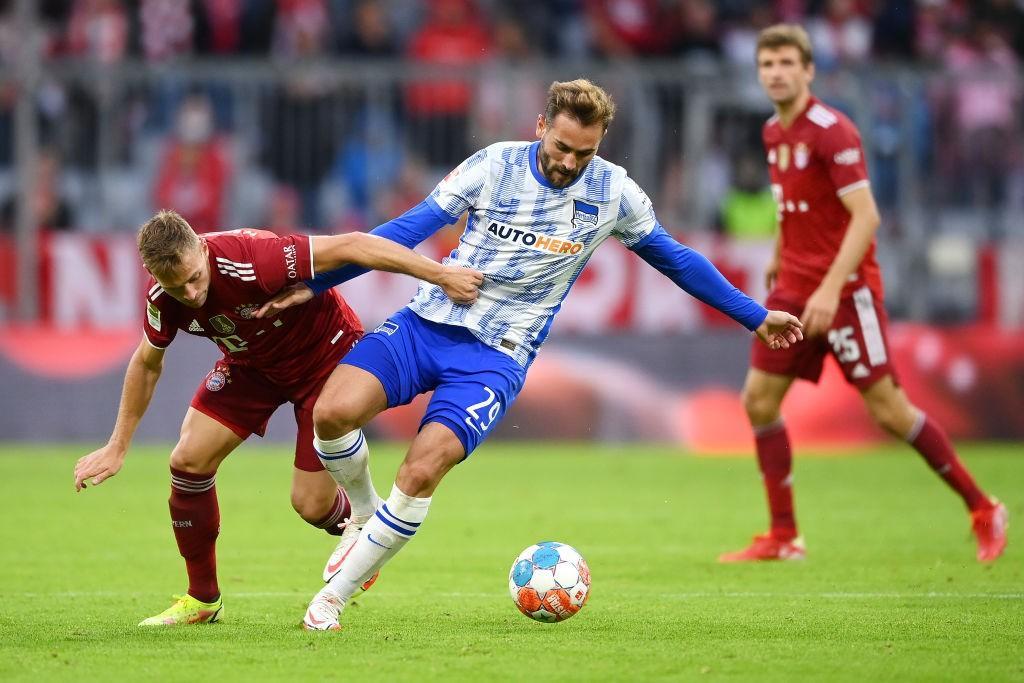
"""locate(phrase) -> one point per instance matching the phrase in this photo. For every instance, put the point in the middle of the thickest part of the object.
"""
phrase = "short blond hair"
(582, 100)
(164, 240)
(783, 35)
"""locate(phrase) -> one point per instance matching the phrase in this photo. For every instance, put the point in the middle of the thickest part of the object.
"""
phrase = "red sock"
(339, 512)
(775, 459)
(931, 442)
(195, 517)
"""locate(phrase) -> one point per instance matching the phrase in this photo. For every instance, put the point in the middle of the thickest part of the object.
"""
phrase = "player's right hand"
(780, 330)
(286, 298)
(98, 466)
(462, 285)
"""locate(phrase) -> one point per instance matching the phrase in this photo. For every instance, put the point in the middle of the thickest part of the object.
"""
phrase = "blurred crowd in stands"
(844, 31)
(181, 139)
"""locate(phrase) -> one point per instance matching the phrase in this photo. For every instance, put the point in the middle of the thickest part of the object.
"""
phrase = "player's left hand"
(462, 285)
(287, 297)
(820, 311)
(779, 330)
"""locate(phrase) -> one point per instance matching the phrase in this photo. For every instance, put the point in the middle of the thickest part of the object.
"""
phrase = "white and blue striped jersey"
(529, 239)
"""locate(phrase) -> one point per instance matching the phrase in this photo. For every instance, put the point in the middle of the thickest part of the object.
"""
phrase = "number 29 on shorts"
(481, 417)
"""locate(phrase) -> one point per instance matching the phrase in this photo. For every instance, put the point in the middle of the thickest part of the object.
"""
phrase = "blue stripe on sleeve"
(409, 229)
(696, 275)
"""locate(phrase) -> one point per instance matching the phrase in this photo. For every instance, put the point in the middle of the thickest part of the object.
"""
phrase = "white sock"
(347, 458)
(390, 528)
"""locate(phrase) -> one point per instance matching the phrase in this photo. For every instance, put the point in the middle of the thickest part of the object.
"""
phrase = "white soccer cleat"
(353, 527)
(323, 612)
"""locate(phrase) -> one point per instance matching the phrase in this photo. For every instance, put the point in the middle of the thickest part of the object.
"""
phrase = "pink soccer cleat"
(989, 527)
(767, 547)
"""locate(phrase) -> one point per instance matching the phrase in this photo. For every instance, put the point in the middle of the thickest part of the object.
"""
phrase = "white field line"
(831, 595)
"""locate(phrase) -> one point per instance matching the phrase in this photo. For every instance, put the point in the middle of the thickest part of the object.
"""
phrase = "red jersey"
(812, 164)
(247, 267)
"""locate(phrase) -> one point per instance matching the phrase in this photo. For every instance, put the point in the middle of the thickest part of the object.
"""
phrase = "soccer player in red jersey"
(212, 286)
(824, 269)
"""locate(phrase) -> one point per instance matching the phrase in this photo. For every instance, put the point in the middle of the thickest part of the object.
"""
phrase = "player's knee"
(890, 416)
(190, 460)
(310, 507)
(761, 407)
(421, 477)
(885, 420)
(425, 467)
(334, 418)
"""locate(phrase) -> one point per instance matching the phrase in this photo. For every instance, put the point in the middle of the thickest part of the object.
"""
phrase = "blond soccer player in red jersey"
(824, 270)
(211, 286)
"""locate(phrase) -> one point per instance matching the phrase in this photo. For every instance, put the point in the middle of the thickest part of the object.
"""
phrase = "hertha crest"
(583, 214)
(222, 324)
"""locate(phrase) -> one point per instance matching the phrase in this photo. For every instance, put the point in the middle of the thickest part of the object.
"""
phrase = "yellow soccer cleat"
(187, 610)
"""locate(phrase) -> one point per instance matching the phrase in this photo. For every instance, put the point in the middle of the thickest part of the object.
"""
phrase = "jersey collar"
(539, 177)
(811, 101)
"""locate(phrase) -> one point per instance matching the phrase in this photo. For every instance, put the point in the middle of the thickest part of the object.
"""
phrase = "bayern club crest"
(247, 311)
(216, 380)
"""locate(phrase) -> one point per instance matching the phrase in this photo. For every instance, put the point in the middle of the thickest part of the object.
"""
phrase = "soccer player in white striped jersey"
(537, 211)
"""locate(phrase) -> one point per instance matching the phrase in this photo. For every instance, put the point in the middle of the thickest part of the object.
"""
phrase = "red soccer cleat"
(767, 547)
(989, 527)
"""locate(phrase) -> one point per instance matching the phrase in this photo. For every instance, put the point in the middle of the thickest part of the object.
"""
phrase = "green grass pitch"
(890, 590)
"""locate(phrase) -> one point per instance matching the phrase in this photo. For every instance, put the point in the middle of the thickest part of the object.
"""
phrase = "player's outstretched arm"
(409, 230)
(139, 382)
(779, 330)
(370, 251)
(692, 272)
(697, 276)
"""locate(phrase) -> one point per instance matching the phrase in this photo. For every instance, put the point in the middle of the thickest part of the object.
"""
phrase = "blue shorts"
(473, 384)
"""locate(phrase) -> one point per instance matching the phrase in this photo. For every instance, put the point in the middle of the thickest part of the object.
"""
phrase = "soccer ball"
(549, 581)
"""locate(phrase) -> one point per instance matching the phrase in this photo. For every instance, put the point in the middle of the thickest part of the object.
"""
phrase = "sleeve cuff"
(761, 317)
(846, 189)
(312, 267)
(161, 348)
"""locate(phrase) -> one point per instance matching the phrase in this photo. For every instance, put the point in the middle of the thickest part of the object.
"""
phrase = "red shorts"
(857, 340)
(241, 399)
